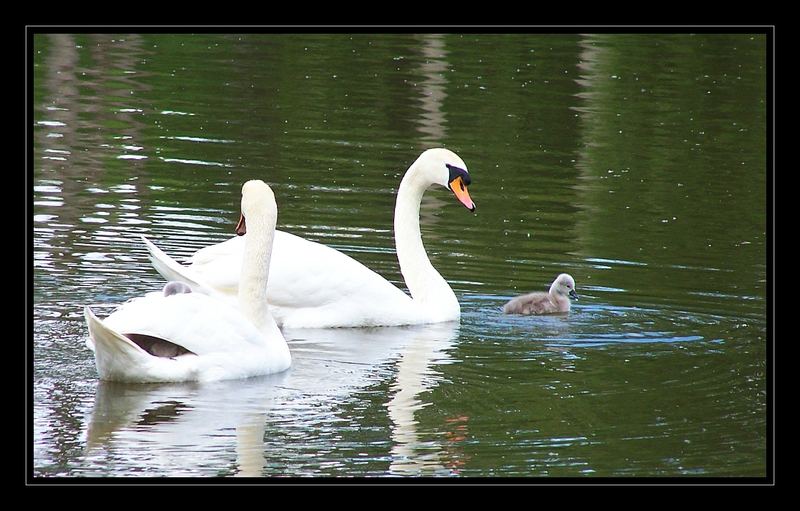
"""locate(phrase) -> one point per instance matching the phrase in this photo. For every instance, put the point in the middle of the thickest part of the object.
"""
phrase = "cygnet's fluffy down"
(554, 301)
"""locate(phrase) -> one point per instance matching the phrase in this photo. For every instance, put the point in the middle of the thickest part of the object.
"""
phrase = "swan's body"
(556, 300)
(177, 335)
(314, 286)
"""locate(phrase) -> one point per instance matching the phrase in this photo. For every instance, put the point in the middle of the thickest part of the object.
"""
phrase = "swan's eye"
(458, 172)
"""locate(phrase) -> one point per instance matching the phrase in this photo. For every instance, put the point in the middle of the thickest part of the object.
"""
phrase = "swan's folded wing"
(220, 265)
(214, 326)
(212, 281)
(231, 247)
(305, 274)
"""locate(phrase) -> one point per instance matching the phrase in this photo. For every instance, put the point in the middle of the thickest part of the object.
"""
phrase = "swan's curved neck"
(255, 271)
(426, 285)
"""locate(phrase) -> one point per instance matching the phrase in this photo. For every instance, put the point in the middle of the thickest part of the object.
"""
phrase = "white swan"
(314, 286)
(176, 335)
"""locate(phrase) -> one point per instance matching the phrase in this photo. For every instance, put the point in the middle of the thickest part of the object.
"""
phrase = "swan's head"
(564, 285)
(445, 168)
(258, 201)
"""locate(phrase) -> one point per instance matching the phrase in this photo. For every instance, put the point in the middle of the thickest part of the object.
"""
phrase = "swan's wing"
(196, 322)
(305, 274)
(223, 344)
(205, 280)
(206, 255)
(220, 265)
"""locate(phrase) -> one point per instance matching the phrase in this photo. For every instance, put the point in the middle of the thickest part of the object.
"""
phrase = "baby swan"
(556, 300)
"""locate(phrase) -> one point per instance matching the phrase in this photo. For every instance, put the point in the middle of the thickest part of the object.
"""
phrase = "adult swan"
(180, 335)
(314, 286)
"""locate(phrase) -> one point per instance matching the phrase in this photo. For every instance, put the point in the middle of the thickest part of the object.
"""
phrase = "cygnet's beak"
(573, 294)
(241, 228)
(459, 189)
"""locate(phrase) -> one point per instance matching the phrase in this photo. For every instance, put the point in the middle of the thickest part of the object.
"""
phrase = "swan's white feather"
(223, 347)
(310, 285)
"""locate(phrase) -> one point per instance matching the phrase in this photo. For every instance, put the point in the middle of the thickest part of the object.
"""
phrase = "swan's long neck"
(426, 285)
(255, 271)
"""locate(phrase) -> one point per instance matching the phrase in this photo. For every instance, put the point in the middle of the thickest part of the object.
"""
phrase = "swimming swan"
(556, 300)
(314, 286)
(180, 335)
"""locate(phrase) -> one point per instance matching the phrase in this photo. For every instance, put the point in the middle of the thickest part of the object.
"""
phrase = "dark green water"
(636, 163)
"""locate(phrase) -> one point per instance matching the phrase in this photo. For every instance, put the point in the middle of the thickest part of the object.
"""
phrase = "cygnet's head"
(444, 167)
(175, 287)
(258, 202)
(564, 285)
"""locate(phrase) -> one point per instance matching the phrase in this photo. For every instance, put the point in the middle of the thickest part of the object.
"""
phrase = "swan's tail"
(112, 351)
(170, 269)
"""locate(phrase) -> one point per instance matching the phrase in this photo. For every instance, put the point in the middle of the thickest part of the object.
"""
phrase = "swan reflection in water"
(416, 374)
(260, 426)
(181, 429)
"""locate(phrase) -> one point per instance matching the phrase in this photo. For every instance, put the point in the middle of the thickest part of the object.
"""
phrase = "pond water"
(634, 162)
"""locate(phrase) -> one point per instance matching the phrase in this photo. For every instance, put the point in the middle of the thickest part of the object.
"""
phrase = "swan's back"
(203, 324)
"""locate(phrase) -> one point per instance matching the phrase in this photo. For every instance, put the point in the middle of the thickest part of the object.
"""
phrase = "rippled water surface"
(634, 162)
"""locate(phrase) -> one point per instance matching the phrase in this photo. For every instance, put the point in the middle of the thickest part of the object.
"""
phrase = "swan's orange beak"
(241, 228)
(462, 194)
